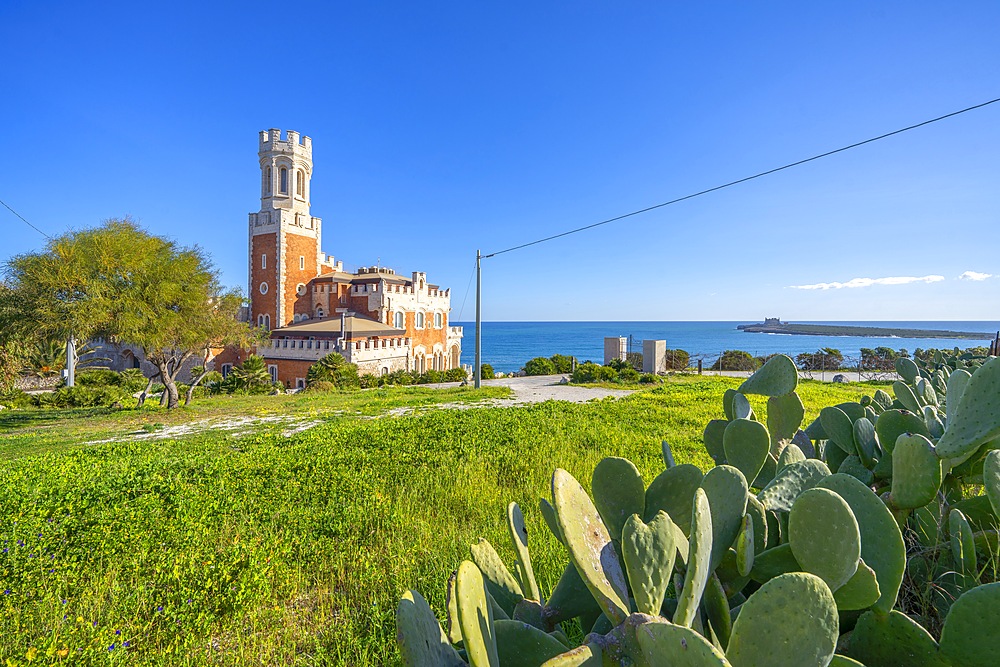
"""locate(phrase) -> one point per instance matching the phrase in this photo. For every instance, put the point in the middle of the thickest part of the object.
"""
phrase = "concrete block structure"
(615, 347)
(377, 319)
(654, 354)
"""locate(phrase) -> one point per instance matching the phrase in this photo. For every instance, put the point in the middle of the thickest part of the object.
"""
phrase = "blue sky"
(443, 127)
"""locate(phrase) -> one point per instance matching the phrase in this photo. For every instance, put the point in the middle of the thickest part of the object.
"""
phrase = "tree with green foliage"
(735, 360)
(336, 370)
(539, 366)
(828, 358)
(486, 372)
(123, 284)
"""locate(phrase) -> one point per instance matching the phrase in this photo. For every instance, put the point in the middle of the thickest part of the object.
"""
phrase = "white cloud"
(975, 275)
(868, 282)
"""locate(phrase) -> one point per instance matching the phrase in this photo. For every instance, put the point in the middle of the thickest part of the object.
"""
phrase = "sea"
(508, 345)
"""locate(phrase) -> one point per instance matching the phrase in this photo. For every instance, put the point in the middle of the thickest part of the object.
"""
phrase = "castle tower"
(284, 250)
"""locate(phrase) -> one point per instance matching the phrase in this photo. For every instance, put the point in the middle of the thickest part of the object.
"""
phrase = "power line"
(742, 180)
(25, 221)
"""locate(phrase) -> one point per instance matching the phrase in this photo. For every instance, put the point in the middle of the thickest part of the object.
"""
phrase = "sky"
(440, 128)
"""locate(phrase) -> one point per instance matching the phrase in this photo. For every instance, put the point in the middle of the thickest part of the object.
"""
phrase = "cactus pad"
(549, 514)
(905, 395)
(649, 552)
(971, 633)
(475, 616)
(774, 562)
(668, 644)
(977, 417)
(519, 537)
(957, 382)
(618, 493)
(791, 621)
(712, 437)
(893, 640)
(838, 427)
(865, 441)
(882, 546)
(699, 557)
(860, 592)
(790, 481)
(894, 423)
(570, 598)
(916, 472)
(963, 546)
(907, 369)
(422, 642)
(824, 536)
(777, 377)
(588, 655)
(991, 479)
(726, 488)
(784, 416)
(589, 545)
(523, 645)
(790, 454)
(673, 492)
(499, 581)
(747, 444)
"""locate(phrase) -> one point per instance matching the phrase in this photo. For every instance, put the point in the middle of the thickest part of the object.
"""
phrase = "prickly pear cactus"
(792, 548)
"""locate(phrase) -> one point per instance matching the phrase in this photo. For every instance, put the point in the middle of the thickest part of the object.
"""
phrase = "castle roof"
(354, 325)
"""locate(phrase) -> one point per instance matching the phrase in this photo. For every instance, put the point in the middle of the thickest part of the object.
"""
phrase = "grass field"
(270, 547)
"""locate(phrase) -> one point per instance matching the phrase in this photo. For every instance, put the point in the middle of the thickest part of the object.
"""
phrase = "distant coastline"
(773, 325)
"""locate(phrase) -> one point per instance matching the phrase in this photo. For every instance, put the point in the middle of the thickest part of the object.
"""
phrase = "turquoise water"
(507, 345)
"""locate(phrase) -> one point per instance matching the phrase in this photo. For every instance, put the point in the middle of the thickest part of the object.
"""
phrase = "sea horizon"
(508, 344)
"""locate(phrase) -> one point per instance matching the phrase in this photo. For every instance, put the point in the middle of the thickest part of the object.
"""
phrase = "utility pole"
(479, 320)
(70, 362)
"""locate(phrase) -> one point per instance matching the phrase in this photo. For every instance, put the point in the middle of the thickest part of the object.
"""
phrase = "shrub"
(628, 375)
(455, 375)
(539, 366)
(132, 380)
(98, 377)
(649, 378)
(16, 399)
(431, 377)
(735, 360)
(250, 377)
(80, 397)
(590, 372)
(335, 369)
(562, 363)
(368, 381)
(319, 386)
(486, 372)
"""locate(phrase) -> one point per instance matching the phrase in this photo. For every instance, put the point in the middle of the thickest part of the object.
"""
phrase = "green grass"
(221, 549)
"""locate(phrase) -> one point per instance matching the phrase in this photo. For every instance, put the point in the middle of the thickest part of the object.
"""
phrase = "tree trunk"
(145, 392)
(170, 397)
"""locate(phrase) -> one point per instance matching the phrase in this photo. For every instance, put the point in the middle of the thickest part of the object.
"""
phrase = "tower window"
(263, 288)
(263, 261)
(300, 183)
(419, 321)
(283, 185)
(267, 181)
(302, 263)
(400, 321)
(438, 320)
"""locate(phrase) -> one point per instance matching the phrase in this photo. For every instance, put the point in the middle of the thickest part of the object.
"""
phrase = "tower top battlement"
(271, 141)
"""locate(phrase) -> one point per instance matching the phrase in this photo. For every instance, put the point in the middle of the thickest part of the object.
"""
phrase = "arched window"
(438, 320)
(267, 181)
(300, 183)
(400, 321)
(320, 313)
(283, 178)
(419, 320)
(267, 322)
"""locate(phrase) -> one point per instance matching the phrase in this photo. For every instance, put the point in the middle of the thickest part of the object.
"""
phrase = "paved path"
(538, 388)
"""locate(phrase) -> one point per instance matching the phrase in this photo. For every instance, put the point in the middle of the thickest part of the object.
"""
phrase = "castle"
(381, 321)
